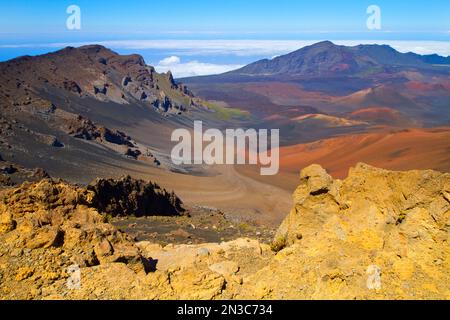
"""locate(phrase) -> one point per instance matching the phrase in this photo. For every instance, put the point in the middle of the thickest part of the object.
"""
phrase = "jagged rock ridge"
(134, 197)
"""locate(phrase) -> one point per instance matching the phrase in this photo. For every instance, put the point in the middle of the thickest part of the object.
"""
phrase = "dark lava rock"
(163, 105)
(133, 153)
(9, 169)
(127, 196)
(126, 81)
(56, 143)
(116, 137)
(40, 173)
(72, 86)
(83, 128)
(5, 181)
(98, 90)
(143, 96)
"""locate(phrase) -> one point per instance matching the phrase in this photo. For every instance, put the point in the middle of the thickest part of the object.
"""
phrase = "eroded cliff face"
(375, 235)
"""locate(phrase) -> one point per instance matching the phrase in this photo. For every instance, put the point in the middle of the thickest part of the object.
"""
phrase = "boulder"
(317, 179)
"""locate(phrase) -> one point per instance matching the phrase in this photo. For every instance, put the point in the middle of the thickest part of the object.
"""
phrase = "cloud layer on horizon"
(192, 68)
(244, 50)
(267, 48)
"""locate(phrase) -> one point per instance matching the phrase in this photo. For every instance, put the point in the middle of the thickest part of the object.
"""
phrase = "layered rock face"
(375, 235)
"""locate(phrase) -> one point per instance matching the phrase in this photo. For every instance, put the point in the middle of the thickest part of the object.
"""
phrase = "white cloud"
(266, 48)
(170, 61)
(192, 68)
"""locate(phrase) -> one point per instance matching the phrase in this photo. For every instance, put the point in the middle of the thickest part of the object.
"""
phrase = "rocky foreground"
(375, 235)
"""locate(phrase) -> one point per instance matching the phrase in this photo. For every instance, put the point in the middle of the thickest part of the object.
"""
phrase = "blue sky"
(39, 26)
(230, 16)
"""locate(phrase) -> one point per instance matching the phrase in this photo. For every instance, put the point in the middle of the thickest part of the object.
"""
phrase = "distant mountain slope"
(328, 59)
(337, 80)
(85, 112)
(95, 72)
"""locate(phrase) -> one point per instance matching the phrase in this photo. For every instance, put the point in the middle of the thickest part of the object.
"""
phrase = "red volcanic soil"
(401, 150)
(281, 91)
(374, 114)
(380, 96)
(381, 115)
(425, 87)
(328, 120)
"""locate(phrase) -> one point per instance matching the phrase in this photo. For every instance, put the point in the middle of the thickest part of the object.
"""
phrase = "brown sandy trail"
(239, 196)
